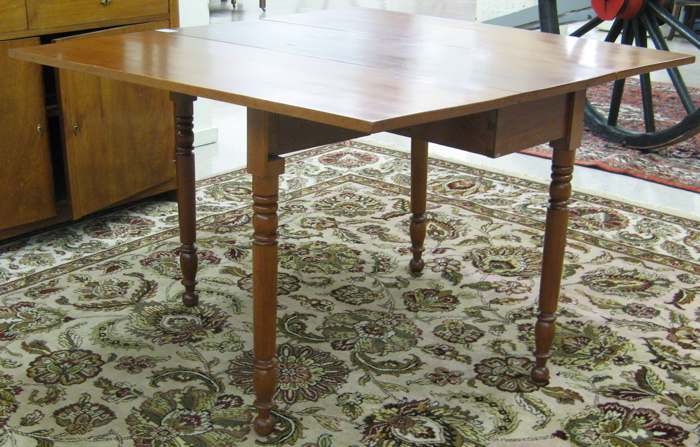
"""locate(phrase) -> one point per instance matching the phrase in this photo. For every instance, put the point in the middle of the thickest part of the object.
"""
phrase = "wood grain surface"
(362, 69)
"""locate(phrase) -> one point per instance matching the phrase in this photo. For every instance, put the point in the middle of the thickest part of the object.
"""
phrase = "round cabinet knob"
(105, 2)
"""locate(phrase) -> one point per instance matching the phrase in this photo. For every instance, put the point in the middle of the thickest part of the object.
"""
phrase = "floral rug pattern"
(97, 349)
(675, 165)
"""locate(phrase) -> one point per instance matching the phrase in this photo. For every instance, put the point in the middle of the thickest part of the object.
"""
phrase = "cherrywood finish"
(27, 178)
(497, 132)
(186, 194)
(419, 190)
(265, 166)
(558, 50)
(340, 73)
(556, 225)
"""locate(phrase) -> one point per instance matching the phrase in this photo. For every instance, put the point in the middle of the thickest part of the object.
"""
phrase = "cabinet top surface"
(364, 69)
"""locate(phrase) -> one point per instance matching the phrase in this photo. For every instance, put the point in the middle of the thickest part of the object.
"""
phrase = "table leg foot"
(264, 428)
(419, 186)
(264, 376)
(540, 375)
(186, 193)
(544, 336)
(264, 423)
(188, 263)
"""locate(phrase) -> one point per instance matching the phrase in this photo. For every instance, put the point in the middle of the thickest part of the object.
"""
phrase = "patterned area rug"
(675, 165)
(97, 349)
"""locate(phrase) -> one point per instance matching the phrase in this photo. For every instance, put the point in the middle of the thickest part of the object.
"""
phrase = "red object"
(611, 9)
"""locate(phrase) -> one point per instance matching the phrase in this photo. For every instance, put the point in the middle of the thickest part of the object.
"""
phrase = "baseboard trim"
(203, 137)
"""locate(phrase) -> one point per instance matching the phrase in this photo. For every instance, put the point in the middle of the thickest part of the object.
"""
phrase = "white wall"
(194, 12)
(489, 9)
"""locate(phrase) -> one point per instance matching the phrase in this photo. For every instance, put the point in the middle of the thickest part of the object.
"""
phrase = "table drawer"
(14, 15)
(56, 13)
(499, 132)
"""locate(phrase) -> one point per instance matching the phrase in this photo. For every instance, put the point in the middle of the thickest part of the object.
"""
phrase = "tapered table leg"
(264, 298)
(186, 202)
(419, 186)
(265, 168)
(552, 259)
(556, 226)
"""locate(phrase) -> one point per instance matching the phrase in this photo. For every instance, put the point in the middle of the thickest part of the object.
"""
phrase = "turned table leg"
(556, 226)
(264, 298)
(419, 186)
(552, 259)
(265, 167)
(186, 201)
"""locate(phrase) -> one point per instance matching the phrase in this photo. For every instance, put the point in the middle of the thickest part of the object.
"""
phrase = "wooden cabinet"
(72, 144)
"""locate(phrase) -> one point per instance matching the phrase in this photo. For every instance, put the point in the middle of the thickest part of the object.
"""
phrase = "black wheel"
(605, 112)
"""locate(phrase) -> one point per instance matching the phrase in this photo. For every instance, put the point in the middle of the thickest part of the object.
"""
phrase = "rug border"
(524, 176)
(604, 167)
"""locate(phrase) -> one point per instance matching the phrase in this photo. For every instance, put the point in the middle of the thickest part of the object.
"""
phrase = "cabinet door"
(14, 15)
(119, 139)
(26, 190)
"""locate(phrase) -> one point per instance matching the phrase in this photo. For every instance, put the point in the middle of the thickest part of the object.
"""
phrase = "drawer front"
(14, 15)
(55, 13)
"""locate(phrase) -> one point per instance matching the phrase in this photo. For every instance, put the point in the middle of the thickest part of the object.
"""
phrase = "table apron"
(502, 131)
(289, 134)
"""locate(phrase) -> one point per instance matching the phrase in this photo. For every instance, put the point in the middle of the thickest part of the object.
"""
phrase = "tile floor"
(229, 151)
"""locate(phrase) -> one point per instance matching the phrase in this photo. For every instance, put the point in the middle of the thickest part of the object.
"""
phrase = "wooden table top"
(363, 69)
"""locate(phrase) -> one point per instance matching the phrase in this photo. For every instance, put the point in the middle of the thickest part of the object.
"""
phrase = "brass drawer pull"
(105, 2)
(40, 130)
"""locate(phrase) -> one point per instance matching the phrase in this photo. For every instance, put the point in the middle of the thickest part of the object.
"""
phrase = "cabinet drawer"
(55, 13)
(14, 15)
